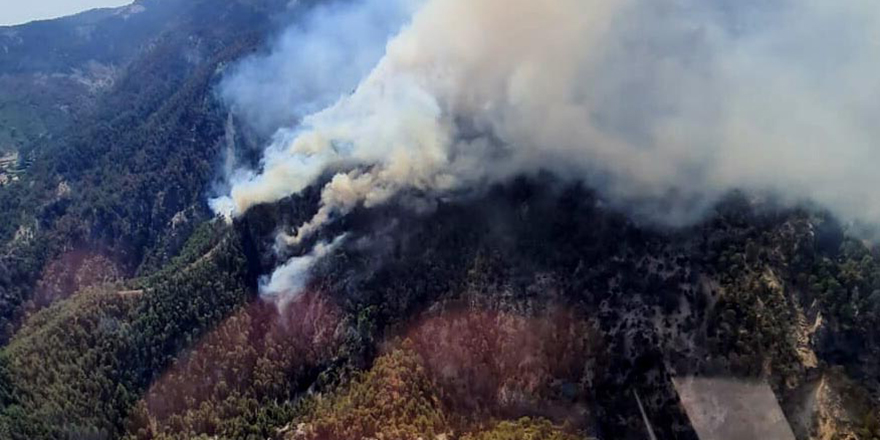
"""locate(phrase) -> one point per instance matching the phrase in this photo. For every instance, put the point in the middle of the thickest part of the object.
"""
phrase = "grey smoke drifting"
(314, 62)
(662, 105)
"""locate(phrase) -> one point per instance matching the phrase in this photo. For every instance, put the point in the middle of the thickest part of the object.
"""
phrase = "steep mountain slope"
(76, 368)
(526, 310)
(530, 301)
(141, 157)
(52, 72)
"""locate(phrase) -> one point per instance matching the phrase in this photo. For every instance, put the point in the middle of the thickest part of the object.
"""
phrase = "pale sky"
(23, 11)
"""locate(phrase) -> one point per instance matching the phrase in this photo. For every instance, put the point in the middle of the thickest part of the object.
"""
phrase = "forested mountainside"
(53, 72)
(528, 310)
(124, 182)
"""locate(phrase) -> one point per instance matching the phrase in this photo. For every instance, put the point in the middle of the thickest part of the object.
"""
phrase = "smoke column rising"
(289, 280)
(662, 105)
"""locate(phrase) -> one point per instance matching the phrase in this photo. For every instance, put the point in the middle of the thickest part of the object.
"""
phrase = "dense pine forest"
(530, 309)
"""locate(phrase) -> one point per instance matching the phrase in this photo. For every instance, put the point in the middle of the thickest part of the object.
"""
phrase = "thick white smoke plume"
(289, 280)
(662, 105)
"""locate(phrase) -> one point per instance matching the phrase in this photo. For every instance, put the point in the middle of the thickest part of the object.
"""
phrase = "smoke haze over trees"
(663, 106)
(442, 219)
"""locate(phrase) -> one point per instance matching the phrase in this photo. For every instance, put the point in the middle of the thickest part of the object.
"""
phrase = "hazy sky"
(22, 11)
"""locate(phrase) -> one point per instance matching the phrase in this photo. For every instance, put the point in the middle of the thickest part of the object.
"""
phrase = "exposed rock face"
(827, 408)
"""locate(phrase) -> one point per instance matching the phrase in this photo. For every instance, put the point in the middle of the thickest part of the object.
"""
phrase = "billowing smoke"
(662, 105)
(289, 280)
